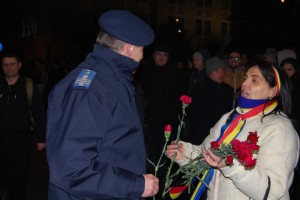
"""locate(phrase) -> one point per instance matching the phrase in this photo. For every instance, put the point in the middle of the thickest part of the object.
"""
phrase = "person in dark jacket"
(292, 68)
(163, 84)
(198, 73)
(95, 141)
(211, 100)
(20, 105)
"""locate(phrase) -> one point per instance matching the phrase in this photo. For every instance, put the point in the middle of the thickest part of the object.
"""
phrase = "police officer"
(94, 139)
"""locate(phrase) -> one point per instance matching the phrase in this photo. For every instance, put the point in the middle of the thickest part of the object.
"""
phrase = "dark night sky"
(257, 24)
(266, 23)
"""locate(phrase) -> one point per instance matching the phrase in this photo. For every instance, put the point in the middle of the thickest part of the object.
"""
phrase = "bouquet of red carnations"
(242, 151)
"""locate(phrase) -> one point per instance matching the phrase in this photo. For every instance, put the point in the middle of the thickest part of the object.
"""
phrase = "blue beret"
(126, 27)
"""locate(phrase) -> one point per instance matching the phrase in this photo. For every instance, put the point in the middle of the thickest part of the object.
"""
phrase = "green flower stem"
(180, 125)
(161, 155)
(167, 183)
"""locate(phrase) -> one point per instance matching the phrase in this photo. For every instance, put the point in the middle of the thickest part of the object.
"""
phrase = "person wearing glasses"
(234, 73)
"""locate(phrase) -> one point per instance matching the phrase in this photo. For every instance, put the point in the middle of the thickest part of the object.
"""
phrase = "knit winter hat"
(271, 53)
(213, 63)
(197, 55)
(285, 53)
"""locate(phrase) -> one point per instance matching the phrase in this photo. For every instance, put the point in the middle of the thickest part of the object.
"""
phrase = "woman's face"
(255, 86)
(289, 69)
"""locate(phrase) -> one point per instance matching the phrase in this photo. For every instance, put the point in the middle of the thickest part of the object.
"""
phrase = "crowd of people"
(106, 118)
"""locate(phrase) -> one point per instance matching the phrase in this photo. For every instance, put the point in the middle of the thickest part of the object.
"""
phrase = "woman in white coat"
(264, 106)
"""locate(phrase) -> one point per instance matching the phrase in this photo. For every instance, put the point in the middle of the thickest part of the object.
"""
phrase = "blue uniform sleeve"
(87, 148)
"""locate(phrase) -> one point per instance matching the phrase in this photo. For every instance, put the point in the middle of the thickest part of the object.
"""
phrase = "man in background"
(234, 73)
(21, 112)
(212, 99)
(198, 73)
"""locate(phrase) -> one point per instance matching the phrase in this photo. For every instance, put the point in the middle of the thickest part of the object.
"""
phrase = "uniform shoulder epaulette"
(84, 79)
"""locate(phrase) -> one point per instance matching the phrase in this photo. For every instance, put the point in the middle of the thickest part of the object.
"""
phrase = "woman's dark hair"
(294, 79)
(284, 98)
(293, 62)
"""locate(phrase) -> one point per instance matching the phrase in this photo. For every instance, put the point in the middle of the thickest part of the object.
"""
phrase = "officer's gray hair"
(110, 42)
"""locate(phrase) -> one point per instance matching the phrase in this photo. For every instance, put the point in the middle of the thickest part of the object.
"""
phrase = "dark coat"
(295, 81)
(95, 143)
(16, 133)
(210, 102)
(16, 111)
(196, 80)
(163, 87)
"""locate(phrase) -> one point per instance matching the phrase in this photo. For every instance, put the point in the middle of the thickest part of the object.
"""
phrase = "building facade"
(47, 30)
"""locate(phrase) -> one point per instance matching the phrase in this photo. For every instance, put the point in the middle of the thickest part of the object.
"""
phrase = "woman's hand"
(213, 160)
(175, 149)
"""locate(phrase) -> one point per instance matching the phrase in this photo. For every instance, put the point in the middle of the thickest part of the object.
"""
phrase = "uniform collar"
(106, 61)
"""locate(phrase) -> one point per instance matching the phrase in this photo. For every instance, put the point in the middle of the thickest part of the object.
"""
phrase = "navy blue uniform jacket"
(95, 142)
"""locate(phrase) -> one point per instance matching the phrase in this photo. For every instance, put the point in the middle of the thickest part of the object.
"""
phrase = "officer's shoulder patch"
(84, 79)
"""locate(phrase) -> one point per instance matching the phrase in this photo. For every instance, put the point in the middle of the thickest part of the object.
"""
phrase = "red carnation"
(243, 155)
(168, 128)
(253, 147)
(235, 144)
(214, 145)
(252, 137)
(249, 162)
(229, 160)
(186, 99)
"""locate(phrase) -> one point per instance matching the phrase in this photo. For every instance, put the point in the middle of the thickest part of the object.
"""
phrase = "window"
(171, 18)
(180, 10)
(199, 3)
(225, 5)
(181, 21)
(171, 9)
(207, 28)
(224, 30)
(230, 30)
(180, 2)
(171, 1)
(180, 24)
(208, 3)
(198, 27)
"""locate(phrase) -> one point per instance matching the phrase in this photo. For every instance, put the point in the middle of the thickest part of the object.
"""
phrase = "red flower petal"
(186, 99)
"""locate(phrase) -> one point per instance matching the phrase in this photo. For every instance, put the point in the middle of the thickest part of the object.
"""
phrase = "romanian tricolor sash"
(229, 132)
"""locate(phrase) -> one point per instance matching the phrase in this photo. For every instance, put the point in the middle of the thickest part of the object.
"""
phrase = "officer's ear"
(127, 50)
